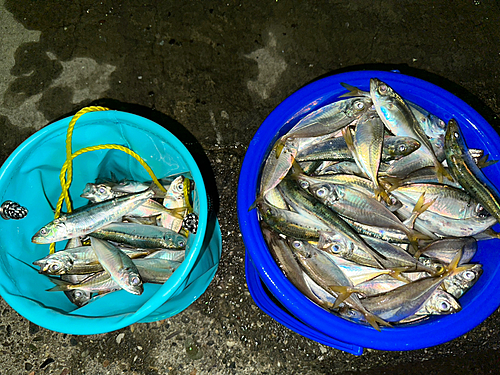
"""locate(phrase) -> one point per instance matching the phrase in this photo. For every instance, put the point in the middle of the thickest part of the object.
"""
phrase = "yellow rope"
(69, 137)
(66, 175)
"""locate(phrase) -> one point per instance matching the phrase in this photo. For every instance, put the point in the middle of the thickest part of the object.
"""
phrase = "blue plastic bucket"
(32, 172)
(304, 316)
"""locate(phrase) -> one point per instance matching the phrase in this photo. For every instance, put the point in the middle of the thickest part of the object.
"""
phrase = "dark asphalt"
(218, 69)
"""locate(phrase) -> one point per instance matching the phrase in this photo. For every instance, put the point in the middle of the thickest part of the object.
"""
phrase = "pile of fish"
(372, 207)
(129, 234)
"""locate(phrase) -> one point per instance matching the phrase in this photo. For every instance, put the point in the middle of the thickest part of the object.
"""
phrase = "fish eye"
(180, 187)
(55, 267)
(43, 231)
(480, 211)
(134, 280)
(78, 294)
(297, 244)
(304, 184)
(321, 192)
(444, 306)
(402, 148)
(359, 105)
(382, 89)
(439, 268)
(456, 135)
(336, 249)
(181, 243)
(469, 275)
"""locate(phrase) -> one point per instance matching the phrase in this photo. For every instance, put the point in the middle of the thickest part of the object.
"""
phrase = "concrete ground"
(218, 69)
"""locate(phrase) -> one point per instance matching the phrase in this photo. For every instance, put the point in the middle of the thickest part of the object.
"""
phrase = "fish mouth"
(38, 239)
(374, 82)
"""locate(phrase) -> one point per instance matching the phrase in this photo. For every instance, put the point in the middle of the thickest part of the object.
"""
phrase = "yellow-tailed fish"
(368, 141)
(467, 173)
(320, 268)
(400, 120)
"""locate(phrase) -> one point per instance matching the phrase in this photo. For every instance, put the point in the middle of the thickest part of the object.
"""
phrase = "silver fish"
(120, 267)
(155, 270)
(141, 236)
(90, 218)
(400, 120)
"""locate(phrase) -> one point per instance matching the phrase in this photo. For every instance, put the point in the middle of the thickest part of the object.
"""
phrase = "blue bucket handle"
(262, 300)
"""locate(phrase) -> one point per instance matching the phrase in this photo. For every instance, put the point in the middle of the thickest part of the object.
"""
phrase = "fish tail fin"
(442, 173)
(390, 183)
(396, 272)
(375, 321)
(279, 146)
(419, 207)
(343, 292)
(491, 233)
(61, 285)
(178, 212)
(453, 268)
(353, 91)
(484, 162)
(258, 200)
(413, 235)
(381, 193)
(295, 171)
(346, 133)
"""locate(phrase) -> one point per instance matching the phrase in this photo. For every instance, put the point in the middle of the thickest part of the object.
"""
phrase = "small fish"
(320, 268)
(90, 218)
(155, 270)
(277, 166)
(120, 267)
(99, 282)
(444, 250)
(400, 120)
(394, 148)
(467, 173)
(141, 236)
(329, 119)
(175, 205)
(368, 144)
(406, 300)
(285, 259)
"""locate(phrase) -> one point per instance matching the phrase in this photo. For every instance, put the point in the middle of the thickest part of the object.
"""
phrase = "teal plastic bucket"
(30, 177)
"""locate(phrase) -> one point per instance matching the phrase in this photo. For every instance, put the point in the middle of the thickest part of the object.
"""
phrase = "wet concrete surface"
(218, 69)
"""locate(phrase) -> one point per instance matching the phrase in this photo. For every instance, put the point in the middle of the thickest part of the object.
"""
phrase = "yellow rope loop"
(66, 175)
(69, 137)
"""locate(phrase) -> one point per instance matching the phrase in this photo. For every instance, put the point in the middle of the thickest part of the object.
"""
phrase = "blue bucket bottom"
(271, 306)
